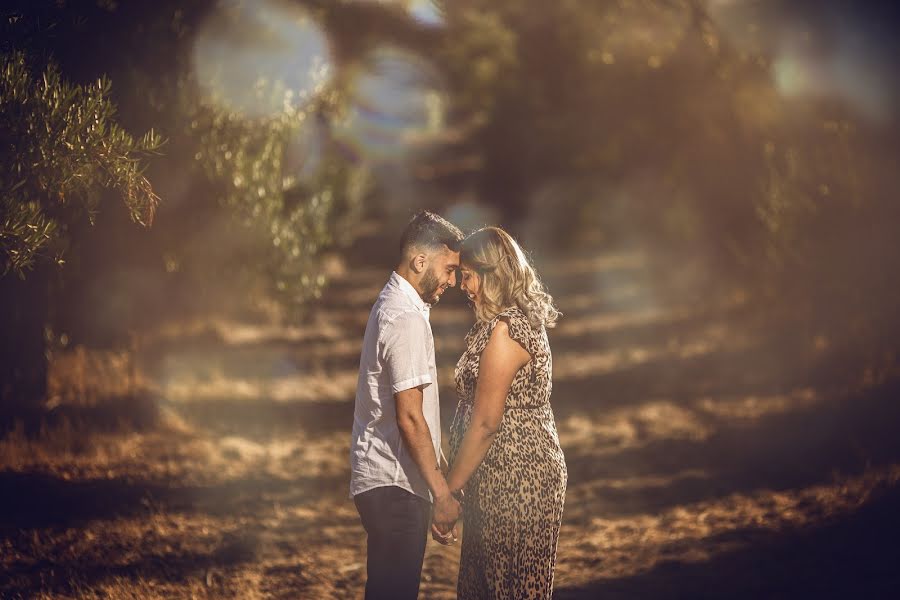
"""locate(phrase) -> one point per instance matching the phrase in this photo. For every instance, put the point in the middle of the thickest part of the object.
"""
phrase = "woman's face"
(470, 283)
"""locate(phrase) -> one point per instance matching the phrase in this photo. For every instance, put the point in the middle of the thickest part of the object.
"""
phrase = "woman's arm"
(500, 361)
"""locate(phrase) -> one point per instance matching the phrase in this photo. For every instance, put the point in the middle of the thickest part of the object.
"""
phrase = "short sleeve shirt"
(397, 355)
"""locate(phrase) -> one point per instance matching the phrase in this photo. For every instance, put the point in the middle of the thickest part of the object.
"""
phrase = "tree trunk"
(24, 306)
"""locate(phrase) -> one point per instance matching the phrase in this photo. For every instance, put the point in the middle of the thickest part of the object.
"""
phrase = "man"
(394, 454)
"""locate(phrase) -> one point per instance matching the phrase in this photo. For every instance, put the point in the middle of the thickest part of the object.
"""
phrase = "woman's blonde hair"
(507, 278)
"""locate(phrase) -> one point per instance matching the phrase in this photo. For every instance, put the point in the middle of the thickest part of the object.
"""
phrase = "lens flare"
(470, 215)
(835, 51)
(846, 74)
(426, 12)
(261, 57)
(396, 106)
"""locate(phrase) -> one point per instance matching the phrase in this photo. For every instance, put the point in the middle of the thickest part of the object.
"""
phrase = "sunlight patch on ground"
(244, 333)
(754, 407)
(126, 544)
(631, 427)
(335, 387)
(326, 386)
(238, 333)
(611, 321)
(158, 456)
(646, 482)
(102, 455)
(231, 458)
(241, 333)
(579, 364)
(217, 554)
(78, 376)
(574, 365)
(663, 420)
(623, 547)
(239, 448)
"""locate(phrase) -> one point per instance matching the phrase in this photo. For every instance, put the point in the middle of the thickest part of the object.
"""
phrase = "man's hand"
(447, 539)
(443, 521)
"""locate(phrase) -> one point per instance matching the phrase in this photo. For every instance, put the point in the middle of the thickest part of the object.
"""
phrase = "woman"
(507, 465)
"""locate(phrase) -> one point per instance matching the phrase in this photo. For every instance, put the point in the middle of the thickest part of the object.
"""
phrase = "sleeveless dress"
(513, 503)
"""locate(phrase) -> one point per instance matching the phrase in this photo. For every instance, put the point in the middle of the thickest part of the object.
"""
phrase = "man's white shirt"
(397, 355)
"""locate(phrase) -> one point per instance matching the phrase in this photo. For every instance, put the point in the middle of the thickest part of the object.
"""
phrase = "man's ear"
(419, 262)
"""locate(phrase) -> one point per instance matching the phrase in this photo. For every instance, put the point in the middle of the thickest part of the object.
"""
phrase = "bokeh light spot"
(262, 57)
(396, 105)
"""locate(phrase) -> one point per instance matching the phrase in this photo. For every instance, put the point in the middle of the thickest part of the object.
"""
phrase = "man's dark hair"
(428, 230)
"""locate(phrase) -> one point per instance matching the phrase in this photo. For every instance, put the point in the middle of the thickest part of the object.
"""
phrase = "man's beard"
(430, 287)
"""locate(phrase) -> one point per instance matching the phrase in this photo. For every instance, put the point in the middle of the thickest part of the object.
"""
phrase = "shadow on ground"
(41, 500)
(855, 556)
(845, 435)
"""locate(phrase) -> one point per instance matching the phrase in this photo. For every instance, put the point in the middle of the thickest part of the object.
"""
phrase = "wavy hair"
(507, 278)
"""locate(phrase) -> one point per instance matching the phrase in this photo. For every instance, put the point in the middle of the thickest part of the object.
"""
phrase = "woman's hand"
(447, 539)
(445, 514)
(443, 522)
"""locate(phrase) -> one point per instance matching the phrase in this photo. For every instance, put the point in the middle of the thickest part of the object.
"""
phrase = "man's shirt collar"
(407, 288)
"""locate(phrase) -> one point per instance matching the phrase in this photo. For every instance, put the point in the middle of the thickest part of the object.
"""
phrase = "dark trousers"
(397, 523)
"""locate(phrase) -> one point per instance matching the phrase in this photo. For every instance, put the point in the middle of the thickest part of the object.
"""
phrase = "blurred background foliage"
(580, 126)
(66, 146)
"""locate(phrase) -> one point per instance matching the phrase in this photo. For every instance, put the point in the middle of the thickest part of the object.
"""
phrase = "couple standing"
(507, 475)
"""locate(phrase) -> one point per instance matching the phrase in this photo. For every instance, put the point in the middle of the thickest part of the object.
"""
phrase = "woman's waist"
(511, 403)
(547, 465)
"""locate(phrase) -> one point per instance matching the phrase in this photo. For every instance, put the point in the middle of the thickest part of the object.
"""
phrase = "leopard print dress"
(514, 501)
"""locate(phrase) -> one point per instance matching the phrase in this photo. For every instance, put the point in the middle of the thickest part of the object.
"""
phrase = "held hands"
(443, 523)
(447, 539)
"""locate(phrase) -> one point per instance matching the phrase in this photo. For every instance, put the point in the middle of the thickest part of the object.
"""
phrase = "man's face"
(440, 274)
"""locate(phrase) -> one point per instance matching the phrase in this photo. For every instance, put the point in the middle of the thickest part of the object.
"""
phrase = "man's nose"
(453, 279)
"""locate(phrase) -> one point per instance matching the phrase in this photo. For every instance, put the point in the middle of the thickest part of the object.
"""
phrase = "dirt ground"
(713, 452)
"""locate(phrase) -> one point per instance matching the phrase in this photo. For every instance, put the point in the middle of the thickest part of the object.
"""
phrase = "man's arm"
(442, 461)
(417, 438)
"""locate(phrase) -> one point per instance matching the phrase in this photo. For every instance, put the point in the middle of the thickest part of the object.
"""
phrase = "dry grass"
(213, 465)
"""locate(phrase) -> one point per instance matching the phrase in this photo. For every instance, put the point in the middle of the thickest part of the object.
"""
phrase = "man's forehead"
(452, 258)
